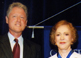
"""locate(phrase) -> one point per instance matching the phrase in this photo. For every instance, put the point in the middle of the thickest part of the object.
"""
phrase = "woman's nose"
(62, 37)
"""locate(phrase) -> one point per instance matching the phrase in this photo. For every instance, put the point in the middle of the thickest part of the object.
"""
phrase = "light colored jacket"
(74, 55)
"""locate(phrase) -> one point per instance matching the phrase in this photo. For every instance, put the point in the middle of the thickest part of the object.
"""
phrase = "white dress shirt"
(12, 43)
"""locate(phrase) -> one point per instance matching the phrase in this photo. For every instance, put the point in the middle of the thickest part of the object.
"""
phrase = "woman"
(63, 35)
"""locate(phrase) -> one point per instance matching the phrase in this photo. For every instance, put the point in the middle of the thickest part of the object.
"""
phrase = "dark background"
(39, 10)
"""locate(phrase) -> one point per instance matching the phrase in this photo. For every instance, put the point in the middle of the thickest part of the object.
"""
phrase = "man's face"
(16, 20)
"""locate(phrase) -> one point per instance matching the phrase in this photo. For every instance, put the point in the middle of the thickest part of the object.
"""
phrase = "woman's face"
(63, 37)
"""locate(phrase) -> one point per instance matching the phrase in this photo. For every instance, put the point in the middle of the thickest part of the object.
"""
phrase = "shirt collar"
(11, 38)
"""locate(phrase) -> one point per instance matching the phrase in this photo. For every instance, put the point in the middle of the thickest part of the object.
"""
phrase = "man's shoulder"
(33, 46)
(3, 37)
(31, 43)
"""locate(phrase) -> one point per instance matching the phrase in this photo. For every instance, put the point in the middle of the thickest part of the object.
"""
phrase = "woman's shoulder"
(54, 56)
(75, 54)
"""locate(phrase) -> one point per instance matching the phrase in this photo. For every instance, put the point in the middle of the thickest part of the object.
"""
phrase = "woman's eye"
(58, 35)
(66, 34)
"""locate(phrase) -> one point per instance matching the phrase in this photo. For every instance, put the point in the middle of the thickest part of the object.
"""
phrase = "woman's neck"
(64, 52)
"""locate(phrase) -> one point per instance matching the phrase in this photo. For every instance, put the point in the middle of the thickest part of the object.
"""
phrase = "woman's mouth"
(62, 42)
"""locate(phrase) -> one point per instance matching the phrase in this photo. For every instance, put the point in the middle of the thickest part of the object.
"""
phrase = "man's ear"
(26, 22)
(6, 19)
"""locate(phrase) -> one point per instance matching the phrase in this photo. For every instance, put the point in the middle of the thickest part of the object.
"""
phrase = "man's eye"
(14, 16)
(22, 17)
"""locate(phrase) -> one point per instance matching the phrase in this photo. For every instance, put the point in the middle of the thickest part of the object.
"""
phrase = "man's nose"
(18, 19)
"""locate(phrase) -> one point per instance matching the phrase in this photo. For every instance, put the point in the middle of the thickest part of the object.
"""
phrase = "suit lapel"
(26, 51)
(6, 47)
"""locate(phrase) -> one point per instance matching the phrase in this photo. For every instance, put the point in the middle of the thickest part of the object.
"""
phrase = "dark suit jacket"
(31, 50)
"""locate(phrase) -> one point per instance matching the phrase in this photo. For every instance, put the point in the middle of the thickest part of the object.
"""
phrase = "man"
(17, 20)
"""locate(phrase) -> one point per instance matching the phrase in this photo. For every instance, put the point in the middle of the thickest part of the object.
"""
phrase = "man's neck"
(15, 34)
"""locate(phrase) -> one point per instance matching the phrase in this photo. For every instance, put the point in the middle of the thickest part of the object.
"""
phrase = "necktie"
(16, 50)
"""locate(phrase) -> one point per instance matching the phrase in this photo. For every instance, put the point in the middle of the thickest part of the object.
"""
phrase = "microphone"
(39, 27)
(33, 27)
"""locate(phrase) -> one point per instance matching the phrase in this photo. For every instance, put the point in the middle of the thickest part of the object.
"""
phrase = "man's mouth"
(18, 25)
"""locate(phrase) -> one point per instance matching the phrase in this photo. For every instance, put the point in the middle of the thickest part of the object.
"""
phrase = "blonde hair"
(17, 4)
(60, 23)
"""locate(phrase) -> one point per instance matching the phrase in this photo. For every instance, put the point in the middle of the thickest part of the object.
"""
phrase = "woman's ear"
(71, 41)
